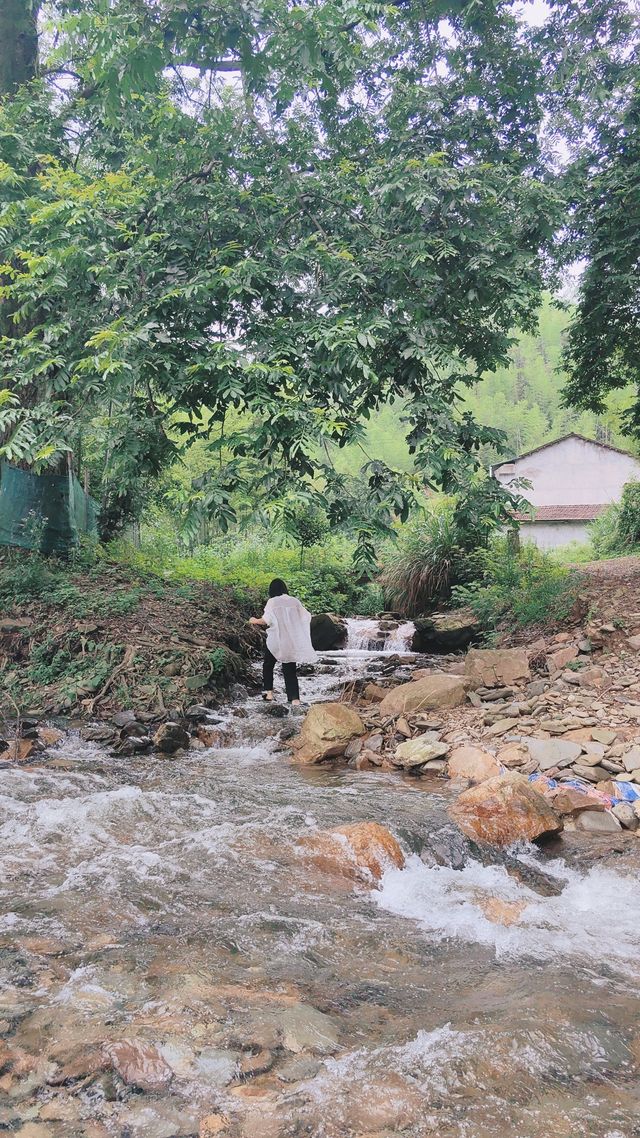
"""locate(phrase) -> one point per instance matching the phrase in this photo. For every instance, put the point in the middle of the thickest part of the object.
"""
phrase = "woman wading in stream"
(288, 627)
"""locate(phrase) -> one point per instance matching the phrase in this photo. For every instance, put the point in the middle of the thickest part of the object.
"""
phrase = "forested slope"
(524, 400)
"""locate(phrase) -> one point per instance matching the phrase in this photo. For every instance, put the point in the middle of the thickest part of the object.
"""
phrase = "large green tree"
(591, 59)
(358, 216)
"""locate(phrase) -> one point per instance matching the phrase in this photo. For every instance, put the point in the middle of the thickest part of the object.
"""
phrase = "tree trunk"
(18, 43)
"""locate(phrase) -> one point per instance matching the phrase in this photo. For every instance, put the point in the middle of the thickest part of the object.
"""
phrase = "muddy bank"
(85, 643)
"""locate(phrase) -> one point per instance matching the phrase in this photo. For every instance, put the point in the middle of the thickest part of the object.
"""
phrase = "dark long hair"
(277, 588)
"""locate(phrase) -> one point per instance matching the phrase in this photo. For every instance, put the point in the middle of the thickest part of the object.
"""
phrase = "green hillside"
(524, 400)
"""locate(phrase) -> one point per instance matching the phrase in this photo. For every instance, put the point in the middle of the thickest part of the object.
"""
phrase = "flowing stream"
(167, 901)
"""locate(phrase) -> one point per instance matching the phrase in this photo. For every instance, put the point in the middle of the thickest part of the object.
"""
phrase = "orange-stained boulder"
(361, 851)
(436, 690)
(496, 667)
(503, 810)
(472, 763)
(569, 800)
(326, 732)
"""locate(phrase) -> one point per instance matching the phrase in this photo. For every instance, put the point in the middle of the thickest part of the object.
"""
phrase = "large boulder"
(496, 667)
(361, 851)
(436, 690)
(472, 763)
(445, 631)
(504, 810)
(327, 730)
(327, 632)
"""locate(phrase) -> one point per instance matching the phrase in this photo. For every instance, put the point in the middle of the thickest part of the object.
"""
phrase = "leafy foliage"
(441, 550)
(617, 531)
(518, 587)
(428, 561)
(328, 581)
(359, 219)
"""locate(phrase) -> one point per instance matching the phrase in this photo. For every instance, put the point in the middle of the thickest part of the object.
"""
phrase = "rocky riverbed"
(207, 937)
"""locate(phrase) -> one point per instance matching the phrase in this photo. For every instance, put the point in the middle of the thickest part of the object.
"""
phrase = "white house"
(572, 480)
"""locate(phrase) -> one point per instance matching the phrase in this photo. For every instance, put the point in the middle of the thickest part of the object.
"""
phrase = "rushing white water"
(170, 901)
(399, 639)
(597, 913)
(365, 634)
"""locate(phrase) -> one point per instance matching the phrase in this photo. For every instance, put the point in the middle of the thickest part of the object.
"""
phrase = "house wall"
(572, 472)
(552, 535)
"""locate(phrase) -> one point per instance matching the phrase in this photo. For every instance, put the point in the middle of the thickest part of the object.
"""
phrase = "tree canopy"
(253, 225)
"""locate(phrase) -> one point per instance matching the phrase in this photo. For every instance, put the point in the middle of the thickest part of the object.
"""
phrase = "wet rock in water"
(210, 736)
(133, 730)
(472, 763)
(123, 718)
(504, 810)
(496, 667)
(437, 690)
(197, 713)
(326, 732)
(164, 1118)
(274, 709)
(327, 632)
(19, 750)
(360, 851)
(386, 1104)
(416, 752)
(255, 1064)
(445, 631)
(447, 847)
(139, 1064)
(304, 1028)
(294, 1070)
(170, 737)
(49, 736)
(213, 1125)
(501, 912)
(594, 822)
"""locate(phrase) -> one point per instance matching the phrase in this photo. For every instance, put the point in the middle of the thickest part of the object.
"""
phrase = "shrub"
(427, 563)
(327, 582)
(523, 587)
(629, 516)
(604, 532)
(617, 531)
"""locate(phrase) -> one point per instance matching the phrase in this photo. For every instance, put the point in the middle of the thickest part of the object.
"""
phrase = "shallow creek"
(166, 901)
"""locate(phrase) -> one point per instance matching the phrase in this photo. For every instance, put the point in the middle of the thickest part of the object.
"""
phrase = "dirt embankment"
(82, 643)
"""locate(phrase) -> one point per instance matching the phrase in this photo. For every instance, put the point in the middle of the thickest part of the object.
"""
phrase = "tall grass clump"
(429, 560)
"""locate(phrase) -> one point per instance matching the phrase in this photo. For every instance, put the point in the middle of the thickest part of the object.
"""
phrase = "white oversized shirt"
(289, 630)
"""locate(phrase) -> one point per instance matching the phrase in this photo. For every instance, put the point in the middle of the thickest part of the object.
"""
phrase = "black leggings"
(289, 672)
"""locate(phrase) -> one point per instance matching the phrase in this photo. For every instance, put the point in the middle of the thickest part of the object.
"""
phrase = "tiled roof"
(564, 513)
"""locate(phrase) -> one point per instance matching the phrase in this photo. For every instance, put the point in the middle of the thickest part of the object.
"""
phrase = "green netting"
(47, 512)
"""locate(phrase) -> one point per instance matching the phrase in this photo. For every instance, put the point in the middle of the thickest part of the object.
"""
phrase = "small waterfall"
(399, 640)
(363, 634)
(366, 635)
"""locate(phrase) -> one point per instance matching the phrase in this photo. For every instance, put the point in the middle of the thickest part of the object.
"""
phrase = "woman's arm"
(258, 620)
